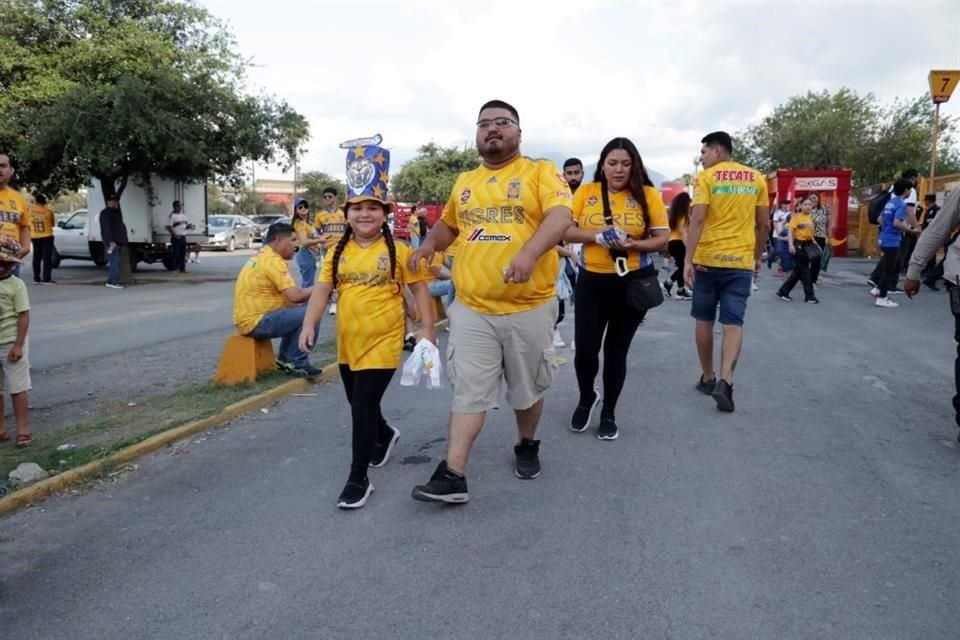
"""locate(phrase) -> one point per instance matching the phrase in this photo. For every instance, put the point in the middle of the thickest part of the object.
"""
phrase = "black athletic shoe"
(608, 427)
(355, 493)
(706, 387)
(444, 486)
(528, 459)
(382, 450)
(306, 371)
(582, 414)
(784, 297)
(723, 395)
(812, 300)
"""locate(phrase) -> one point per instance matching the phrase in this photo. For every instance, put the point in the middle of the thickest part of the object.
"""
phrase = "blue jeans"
(113, 265)
(285, 324)
(719, 287)
(786, 260)
(307, 262)
(440, 288)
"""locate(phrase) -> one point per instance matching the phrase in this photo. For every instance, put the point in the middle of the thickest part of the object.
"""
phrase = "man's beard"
(573, 184)
(498, 155)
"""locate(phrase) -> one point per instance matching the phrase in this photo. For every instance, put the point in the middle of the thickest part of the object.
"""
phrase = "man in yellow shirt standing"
(267, 303)
(728, 226)
(331, 225)
(41, 232)
(14, 216)
(509, 214)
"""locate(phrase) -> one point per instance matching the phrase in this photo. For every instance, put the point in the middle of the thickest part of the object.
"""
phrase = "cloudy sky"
(580, 73)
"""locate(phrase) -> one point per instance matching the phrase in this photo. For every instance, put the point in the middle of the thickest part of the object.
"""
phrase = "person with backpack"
(874, 213)
(893, 221)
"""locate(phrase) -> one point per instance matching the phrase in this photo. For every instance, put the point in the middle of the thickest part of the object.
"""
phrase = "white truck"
(78, 236)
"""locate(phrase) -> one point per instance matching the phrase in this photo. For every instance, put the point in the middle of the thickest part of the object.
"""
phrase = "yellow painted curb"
(60, 481)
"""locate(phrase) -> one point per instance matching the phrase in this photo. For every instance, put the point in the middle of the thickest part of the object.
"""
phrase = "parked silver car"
(262, 222)
(229, 232)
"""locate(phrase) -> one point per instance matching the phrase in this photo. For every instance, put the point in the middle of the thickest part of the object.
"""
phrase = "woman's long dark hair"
(345, 238)
(679, 210)
(638, 174)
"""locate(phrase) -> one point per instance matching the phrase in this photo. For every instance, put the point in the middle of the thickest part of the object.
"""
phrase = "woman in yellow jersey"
(676, 247)
(800, 238)
(308, 241)
(369, 270)
(640, 227)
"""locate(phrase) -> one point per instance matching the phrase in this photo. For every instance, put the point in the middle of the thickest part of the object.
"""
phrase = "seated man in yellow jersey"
(267, 301)
(510, 213)
(728, 227)
(41, 222)
(331, 225)
(14, 216)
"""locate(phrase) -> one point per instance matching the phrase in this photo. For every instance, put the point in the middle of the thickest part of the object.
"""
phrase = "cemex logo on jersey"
(479, 236)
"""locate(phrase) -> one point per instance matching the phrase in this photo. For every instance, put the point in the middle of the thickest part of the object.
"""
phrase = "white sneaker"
(110, 285)
(333, 309)
(558, 339)
(756, 287)
(875, 292)
(573, 345)
(885, 302)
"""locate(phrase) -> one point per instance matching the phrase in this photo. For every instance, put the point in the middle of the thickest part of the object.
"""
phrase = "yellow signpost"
(942, 84)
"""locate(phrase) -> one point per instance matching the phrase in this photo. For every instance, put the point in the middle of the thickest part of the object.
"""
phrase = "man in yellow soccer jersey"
(14, 216)
(267, 303)
(330, 223)
(509, 214)
(728, 227)
(41, 232)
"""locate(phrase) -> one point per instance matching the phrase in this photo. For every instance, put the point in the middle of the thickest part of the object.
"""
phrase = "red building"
(831, 185)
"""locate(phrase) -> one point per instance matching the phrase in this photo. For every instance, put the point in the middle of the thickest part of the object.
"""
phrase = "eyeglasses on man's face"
(499, 123)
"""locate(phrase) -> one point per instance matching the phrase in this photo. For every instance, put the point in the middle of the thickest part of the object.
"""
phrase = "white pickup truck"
(78, 236)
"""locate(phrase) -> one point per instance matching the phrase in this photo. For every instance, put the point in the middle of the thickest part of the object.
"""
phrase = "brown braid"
(392, 250)
(338, 251)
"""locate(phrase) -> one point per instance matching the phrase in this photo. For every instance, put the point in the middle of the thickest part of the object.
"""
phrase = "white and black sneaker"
(445, 486)
(608, 427)
(355, 493)
(582, 414)
(382, 450)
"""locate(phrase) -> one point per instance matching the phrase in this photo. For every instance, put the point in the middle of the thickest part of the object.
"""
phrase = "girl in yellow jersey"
(309, 243)
(800, 237)
(640, 221)
(676, 246)
(369, 270)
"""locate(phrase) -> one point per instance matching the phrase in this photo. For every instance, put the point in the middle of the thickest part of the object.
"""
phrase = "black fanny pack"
(643, 288)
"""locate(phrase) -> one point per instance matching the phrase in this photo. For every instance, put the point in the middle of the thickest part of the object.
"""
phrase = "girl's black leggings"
(365, 389)
(677, 251)
(602, 306)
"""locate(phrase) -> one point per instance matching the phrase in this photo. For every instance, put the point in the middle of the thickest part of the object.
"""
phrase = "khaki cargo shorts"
(517, 347)
(14, 376)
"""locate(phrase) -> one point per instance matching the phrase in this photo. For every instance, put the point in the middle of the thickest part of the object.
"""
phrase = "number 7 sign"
(942, 84)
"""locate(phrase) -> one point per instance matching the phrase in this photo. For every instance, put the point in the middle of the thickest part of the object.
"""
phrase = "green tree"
(312, 184)
(846, 130)
(429, 177)
(121, 89)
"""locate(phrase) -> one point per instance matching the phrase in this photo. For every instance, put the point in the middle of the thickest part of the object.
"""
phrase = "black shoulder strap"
(608, 218)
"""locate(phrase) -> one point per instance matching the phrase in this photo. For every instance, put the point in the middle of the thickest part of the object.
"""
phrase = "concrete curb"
(44, 488)
(60, 481)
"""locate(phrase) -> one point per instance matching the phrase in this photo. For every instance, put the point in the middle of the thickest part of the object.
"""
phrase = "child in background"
(369, 270)
(14, 322)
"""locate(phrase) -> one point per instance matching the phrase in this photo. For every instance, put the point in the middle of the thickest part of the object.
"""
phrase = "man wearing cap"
(510, 214)
(14, 215)
(113, 233)
(267, 303)
(14, 322)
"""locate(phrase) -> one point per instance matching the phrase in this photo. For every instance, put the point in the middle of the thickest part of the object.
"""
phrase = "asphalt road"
(825, 507)
(89, 343)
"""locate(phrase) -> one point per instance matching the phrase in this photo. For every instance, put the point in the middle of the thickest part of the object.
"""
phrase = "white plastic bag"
(424, 361)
